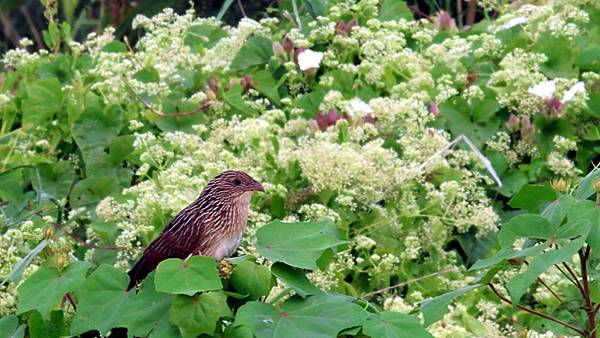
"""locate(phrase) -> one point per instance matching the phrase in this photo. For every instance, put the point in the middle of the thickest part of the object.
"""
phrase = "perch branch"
(410, 281)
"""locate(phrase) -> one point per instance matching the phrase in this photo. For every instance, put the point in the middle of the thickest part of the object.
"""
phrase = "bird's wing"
(166, 245)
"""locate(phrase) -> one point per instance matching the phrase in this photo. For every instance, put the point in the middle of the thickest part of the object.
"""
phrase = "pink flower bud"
(213, 85)
(443, 21)
(513, 123)
(246, 83)
(527, 129)
(340, 28)
(297, 52)
(332, 117)
(351, 24)
(278, 49)
(555, 107)
(321, 120)
(369, 118)
(288, 44)
(434, 109)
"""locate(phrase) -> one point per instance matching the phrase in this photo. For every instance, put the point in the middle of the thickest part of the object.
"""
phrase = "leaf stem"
(533, 312)
(591, 312)
(280, 295)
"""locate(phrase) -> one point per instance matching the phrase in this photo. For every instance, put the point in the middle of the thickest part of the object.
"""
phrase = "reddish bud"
(434, 109)
(351, 24)
(277, 49)
(513, 123)
(471, 77)
(527, 129)
(297, 52)
(443, 21)
(369, 118)
(555, 107)
(321, 121)
(332, 117)
(246, 83)
(340, 28)
(213, 85)
(288, 44)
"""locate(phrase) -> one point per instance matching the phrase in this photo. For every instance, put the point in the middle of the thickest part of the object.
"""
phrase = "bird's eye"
(237, 181)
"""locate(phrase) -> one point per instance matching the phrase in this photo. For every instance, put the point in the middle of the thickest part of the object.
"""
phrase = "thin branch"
(415, 9)
(69, 297)
(566, 275)
(410, 281)
(202, 107)
(241, 7)
(583, 258)
(9, 29)
(459, 13)
(37, 37)
(578, 284)
(471, 11)
(533, 312)
(550, 289)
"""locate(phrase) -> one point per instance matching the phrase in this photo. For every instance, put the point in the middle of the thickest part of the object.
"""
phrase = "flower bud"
(340, 28)
(434, 109)
(351, 24)
(513, 123)
(555, 107)
(49, 232)
(246, 83)
(278, 50)
(212, 96)
(560, 185)
(297, 51)
(288, 44)
(443, 21)
(213, 85)
(527, 129)
(596, 186)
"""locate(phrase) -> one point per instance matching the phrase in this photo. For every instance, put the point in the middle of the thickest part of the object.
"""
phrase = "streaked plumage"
(212, 225)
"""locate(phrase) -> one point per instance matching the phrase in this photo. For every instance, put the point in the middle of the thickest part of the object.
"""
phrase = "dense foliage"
(406, 163)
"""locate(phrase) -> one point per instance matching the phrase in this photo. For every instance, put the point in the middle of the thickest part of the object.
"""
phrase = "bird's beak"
(256, 186)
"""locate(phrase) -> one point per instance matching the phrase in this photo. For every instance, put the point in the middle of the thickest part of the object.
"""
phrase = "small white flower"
(359, 108)
(309, 59)
(512, 22)
(544, 89)
(578, 87)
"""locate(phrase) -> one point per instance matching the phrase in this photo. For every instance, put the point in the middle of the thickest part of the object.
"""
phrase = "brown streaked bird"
(212, 225)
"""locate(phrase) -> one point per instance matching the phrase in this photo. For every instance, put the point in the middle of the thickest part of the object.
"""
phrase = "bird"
(212, 225)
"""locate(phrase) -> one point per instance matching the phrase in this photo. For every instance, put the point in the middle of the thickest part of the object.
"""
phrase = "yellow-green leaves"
(252, 279)
(186, 277)
(198, 314)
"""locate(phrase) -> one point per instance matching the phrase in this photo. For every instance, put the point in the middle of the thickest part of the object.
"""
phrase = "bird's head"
(234, 183)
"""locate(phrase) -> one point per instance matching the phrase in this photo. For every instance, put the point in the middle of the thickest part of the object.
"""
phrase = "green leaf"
(45, 288)
(204, 35)
(256, 51)
(199, 314)
(530, 196)
(507, 253)
(233, 97)
(44, 98)
(391, 324)
(297, 244)
(587, 210)
(102, 298)
(197, 273)
(147, 313)
(17, 271)
(512, 182)
(434, 309)
(295, 279)
(585, 188)
(394, 10)
(520, 283)
(8, 326)
(527, 225)
(55, 328)
(11, 185)
(556, 211)
(251, 279)
(264, 82)
(115, 47)
(314, 316)
(147, 75)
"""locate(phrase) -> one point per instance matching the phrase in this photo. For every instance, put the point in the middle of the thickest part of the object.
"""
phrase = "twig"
(583, 258)
(546, 285)
(34, 31)
(9, 29)
(566, 275)
(459, 10)
(577, 283)
(90, 245)
(202, 107)
(533, 312)
(69, 297)
(239, 3)
(410, 281)
(471, 11)
(417, 11)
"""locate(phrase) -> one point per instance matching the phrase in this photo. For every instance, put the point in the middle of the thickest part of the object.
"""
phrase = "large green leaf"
(102, 298)
(295, 279)
(585, 188)
(527, 225)
(256, 51)
(263, 81)
(315, 317)
(9, 327)
(435, 308)
(530, 196)
(195, 274)
(394, 10)
(199, 314)
(45, 288)
(297, 244)
(147, 313)
(204, 36)
(53, 328)
(44, 98)
(520, 283)
(587, 210)
(233, 97)
(556, 211)
(252, 279)
(17, 271)
(507, 253)
(389, 324)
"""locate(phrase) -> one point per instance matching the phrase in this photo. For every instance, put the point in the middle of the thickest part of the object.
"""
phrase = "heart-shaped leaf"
(186, 277)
